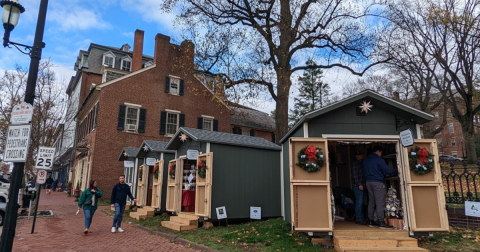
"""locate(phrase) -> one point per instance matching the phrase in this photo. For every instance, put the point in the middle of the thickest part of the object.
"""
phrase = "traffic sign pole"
(39, 192)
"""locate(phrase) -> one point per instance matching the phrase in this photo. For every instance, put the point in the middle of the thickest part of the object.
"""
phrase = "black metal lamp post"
(10, 15)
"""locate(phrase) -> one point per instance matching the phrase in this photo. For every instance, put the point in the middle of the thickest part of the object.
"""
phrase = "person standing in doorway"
(89, 202)
(358, 184)
(375, 171)
(54, 185)
(118, 200)
(49, 183)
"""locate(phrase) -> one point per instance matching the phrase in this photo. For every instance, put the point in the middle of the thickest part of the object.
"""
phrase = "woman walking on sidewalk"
(89, 201)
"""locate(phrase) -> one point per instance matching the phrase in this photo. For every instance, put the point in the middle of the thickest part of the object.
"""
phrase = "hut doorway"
(188, 185)
(342, 160)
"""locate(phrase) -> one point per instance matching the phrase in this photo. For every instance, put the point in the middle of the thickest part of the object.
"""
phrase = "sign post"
(41, 178)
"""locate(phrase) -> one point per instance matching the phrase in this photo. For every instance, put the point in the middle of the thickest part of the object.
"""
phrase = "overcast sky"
(73, 24)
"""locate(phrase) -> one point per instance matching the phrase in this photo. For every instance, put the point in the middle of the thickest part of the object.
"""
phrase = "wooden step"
(148, 211)
(372, 232)
(181, 220)
(350, 241)
(138, 216)
(380, 249)
(177, 226)
(188, 216)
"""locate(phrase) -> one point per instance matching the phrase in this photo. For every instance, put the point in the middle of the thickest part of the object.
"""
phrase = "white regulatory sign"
(41, 176)
(21, 113)
(45, 158)
(18, 137)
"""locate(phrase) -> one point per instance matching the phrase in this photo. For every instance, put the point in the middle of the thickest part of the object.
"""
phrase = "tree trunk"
(281, 111)
(470, 151)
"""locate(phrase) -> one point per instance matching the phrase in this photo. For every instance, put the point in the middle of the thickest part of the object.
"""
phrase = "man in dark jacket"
(358, 184)
(375, 171)
(118, 199)
(49, 183)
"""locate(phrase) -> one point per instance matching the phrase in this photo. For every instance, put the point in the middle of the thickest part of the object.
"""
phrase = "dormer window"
(126, 63)
(125, 48)
(173, 85)
(109, 59)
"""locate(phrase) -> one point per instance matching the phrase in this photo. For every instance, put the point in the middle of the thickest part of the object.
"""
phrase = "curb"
(174, 238)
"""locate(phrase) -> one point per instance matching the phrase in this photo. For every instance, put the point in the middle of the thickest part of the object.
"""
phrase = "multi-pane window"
(450, 128)
(174, 85)
(449, 113)
(245, 132)
(437, 127)
(126, 65)
(207, 124)
(131, 119)
(454, 153)
(436, 114)
(453, 141)
(439, 141)
(108, 61)
(172, 123)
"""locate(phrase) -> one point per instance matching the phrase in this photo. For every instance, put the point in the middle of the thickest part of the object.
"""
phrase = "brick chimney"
(162, 51)
(137, 50)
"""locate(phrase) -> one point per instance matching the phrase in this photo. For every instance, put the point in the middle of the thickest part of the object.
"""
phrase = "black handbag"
(88, 202)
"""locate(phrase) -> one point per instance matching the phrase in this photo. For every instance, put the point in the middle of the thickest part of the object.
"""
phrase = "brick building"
(127, 97)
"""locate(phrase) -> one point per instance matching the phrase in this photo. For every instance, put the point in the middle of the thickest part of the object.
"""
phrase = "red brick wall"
(263, 134)
(87, 80)
(148, 90)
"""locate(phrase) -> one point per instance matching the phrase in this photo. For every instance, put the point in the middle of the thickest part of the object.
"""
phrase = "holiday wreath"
(171, 170)
(202, 169)
(424, 156)
(140, 172)
(155, 171)
(310, 158)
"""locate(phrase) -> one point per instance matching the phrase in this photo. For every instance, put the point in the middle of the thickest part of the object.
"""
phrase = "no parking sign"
(41, 176)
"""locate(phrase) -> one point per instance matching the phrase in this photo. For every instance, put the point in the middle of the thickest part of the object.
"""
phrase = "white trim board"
(346, 136)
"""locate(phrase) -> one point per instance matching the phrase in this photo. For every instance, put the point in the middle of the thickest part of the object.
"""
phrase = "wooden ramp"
(184, 221)
(349, 237)
(143, 213)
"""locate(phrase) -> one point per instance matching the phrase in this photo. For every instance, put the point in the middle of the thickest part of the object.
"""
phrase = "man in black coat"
(118, 199)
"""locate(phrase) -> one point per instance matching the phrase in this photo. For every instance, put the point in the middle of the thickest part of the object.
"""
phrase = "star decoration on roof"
(145, 148)
(365, 107)
(125, 154)
(183, 137)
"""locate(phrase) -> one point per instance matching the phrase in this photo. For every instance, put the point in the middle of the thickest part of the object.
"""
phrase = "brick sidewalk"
(64, 231)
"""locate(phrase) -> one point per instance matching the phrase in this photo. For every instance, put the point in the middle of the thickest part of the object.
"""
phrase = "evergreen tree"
(313, 93)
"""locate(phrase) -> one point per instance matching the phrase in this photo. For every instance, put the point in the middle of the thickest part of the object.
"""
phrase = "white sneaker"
(113, 230)
(120, 230)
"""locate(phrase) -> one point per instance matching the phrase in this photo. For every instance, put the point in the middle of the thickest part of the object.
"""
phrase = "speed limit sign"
(45, 158)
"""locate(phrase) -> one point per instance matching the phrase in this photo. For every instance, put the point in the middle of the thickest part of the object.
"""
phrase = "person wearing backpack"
(89, 202)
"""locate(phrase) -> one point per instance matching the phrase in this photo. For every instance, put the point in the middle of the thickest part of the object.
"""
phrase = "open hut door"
(157, 184)
(310, 191)
(203, 193)
(424, 193)
(142, 185)
(173, 185)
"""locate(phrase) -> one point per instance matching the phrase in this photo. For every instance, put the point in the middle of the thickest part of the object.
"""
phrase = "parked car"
(4, 187)
(448, 158)
(3, 210)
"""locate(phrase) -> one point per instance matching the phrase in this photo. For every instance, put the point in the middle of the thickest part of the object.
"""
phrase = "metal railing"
(461, 183)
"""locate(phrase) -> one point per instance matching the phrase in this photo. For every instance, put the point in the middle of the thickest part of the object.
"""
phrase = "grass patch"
(104, 202)
(458, 239)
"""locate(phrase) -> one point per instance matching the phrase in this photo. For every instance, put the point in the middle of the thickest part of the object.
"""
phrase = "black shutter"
(121, 117)
(163, 122)
(200, 123)
(141, 122)
(96, 115)
(273, 137)
(181, 88)
(252, 133)
(215, 125)
(167, 84)
(182, 121)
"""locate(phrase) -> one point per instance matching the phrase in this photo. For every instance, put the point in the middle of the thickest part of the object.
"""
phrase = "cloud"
(149, 11)
(128, 34)
(78, 19)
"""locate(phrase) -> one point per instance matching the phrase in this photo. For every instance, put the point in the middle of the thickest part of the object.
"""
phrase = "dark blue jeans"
(117, 220)
(88, 217)
(358, 203)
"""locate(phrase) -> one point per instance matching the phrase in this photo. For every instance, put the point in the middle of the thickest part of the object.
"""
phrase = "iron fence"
(461, 183)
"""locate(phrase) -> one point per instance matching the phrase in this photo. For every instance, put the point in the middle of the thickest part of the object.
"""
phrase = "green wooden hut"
(241, 171)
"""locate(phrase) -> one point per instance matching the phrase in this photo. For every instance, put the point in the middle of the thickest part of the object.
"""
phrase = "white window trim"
(170, 85)
(166, 121)
(209, 118)
(109, 54)
(133, 106)
(125, 59)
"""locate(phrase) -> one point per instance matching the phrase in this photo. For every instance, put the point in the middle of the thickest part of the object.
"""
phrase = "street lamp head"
(11, 13)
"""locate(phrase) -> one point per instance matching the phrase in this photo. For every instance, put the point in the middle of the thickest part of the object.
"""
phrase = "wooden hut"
(215, 169)
(340, 129)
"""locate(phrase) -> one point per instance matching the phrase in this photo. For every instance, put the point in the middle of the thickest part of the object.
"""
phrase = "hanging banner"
(128, 164)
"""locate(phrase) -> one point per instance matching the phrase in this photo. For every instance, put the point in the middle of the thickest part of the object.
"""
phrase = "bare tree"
(49, 106)
(445, 37)
(274, 38)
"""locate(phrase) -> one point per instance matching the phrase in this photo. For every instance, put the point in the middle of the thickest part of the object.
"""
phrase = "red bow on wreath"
(423, 154)
(155, 168)
(200, 164)
(311, 152)
(171, 168)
